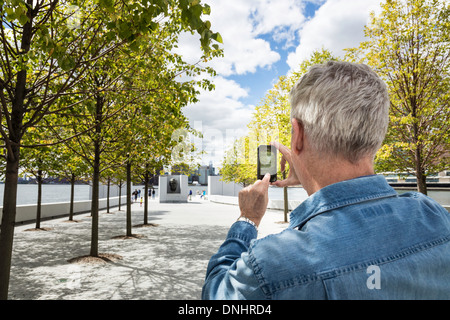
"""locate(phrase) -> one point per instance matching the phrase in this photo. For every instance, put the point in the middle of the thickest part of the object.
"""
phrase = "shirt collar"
(341, 194)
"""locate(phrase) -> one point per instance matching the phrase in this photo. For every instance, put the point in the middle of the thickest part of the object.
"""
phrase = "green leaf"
(107, 4)
(66, 63)
(217, 37)
(206, 10)
(10, 13)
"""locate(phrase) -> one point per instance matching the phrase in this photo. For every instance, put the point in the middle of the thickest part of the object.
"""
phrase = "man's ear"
(297, 136)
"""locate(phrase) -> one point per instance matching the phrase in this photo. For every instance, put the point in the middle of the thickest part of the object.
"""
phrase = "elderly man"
(354, 237)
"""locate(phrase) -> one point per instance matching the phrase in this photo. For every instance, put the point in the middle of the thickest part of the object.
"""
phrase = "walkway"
(168, 262)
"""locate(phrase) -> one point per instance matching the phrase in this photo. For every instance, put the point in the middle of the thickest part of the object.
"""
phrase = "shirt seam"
(343, 204)
(242, 234)
(257, 271)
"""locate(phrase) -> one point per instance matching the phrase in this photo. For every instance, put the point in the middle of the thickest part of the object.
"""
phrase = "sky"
(263, 40)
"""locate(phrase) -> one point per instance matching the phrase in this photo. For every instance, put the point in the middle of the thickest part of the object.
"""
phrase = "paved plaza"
(168, 261)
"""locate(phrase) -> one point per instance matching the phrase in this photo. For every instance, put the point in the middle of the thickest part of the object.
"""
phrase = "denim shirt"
(356, 239)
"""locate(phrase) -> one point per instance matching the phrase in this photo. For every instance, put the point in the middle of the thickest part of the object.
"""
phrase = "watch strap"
(241, 218)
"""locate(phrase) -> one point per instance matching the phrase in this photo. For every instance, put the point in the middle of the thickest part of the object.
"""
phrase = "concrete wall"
(221, 188)
(53, 210)
(113, 190)
(272, 204)
(227, 193)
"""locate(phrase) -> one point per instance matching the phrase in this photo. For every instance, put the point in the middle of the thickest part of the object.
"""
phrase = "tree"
(238, 166)
(155, 147)
(408, 45)
(270, 121)
(39, 162)
(41, 59)
(136, 80)
(44, 56)
(72, 167)
(146, 138)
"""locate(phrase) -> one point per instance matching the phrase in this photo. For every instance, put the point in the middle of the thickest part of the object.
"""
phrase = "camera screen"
(267, 160)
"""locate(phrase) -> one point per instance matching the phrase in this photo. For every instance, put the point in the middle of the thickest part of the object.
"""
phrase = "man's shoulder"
(276, 245)
(351, 234)
(424, 200)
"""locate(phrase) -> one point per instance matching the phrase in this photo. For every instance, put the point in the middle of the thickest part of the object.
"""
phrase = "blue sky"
(263, 40)
(261, 81)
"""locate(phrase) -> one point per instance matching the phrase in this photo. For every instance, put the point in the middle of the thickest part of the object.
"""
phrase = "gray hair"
(344, 109)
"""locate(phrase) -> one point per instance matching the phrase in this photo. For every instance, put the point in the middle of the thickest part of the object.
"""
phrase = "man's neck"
(321, 173)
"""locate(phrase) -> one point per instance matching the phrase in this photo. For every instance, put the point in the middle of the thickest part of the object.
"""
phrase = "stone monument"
(173, 189)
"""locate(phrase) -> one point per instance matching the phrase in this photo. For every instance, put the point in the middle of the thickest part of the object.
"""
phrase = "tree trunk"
(420, 174)
(120, 194)
(96, 178)
(39, 199)
(129, 198)
(286, 204)
(72, 196)
(94, 203)
(421, 180)
(8, 220)
(146, 198)
(107, 196)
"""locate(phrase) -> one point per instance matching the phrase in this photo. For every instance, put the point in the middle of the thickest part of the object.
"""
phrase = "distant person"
(153, 193)
(135, 195)
(190, 195)
(355, 237)
(141, 201)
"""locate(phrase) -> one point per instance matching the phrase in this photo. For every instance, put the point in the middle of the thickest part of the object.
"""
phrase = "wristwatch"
(241, 218)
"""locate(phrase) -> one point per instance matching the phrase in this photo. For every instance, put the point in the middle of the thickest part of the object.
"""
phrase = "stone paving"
(167, 262)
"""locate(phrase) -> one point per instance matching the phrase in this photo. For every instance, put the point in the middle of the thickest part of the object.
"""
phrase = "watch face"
(248, 220)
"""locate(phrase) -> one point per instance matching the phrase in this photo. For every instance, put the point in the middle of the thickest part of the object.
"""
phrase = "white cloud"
(246, 27)
(338, 24)
(221, 113)
(220, 116)
(244, 52)
(215, 108)
(241, 24)
(281, 19)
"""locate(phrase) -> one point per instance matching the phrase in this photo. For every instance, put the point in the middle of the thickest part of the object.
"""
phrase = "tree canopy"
(73, 66)
(271, 121)
(408, 45)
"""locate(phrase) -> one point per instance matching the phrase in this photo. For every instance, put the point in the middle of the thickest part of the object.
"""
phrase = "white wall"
(53, 210)
(113, 190)
(226, 192)
(222, 188)
(272, 204)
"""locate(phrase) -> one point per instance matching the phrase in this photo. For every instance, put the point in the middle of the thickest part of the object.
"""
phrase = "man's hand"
(253, 200)
(292, 179)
